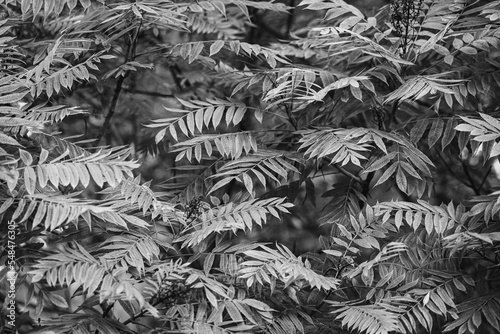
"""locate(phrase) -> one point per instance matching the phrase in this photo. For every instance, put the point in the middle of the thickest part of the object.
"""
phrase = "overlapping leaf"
(134, 249)
(263, 165)
(201, 115)
(484, 131)
(101, 167)
(233, 217)
(433, 218)
(71, 266)
(58, 210)
(229, 145)
(269, 265)
(375, 319)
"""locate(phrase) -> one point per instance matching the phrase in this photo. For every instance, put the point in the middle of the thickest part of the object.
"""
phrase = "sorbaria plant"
(133, 217)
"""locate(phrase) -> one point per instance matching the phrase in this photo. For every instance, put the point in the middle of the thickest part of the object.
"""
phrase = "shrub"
(376, 134)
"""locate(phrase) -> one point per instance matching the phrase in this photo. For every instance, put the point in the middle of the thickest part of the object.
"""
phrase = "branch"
(348, 174)
(145, 92)
(485, 178)
(107, 310)
(366, 184)
(112, 108)
(138, 315)
(290, 18)
(105, 313)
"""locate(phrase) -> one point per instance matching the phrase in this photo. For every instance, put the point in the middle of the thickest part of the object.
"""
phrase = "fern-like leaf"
(267, 265)
(52, 114)
(200, 116)
(474, 311)
(262, 165)
(100, 167)
(484, 132)
(230, 145)
(421, 86)
(433, 218)
(133, 248)
(57, 210)
(368, 319)
(71, 266)
(233, 217)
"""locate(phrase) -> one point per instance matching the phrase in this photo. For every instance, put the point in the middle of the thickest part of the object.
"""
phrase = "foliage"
(148, 149)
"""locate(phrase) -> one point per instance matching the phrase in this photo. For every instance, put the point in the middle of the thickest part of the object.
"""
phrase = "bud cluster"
(171, 292)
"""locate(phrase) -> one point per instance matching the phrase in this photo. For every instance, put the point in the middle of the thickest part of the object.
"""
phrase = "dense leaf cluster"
(146, 146)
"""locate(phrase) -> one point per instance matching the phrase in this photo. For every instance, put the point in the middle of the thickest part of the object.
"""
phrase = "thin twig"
(485, 178)
(175, 76)
(469, 177)
(451, 170)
